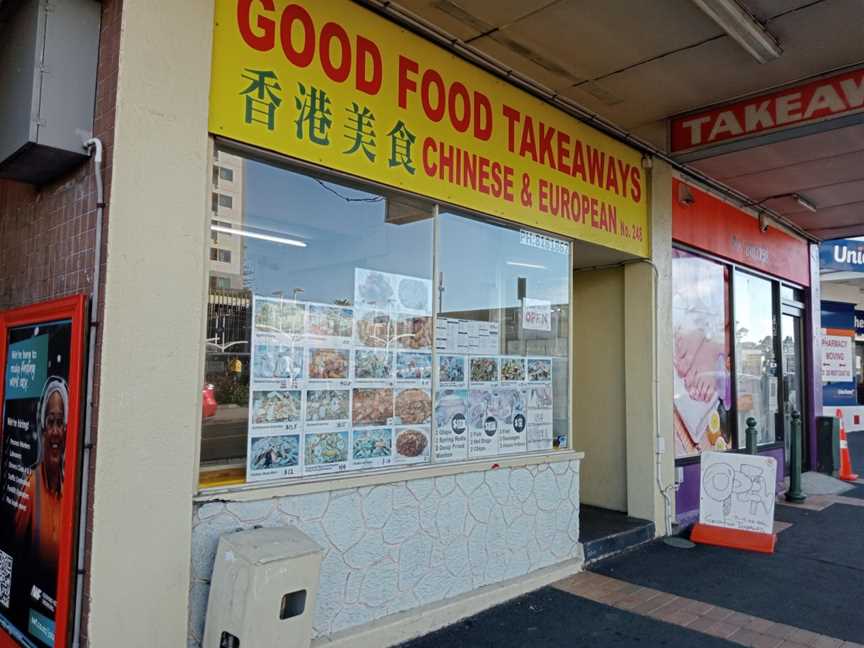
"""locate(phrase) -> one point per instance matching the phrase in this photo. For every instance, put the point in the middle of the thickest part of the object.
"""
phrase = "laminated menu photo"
(328, 325)
(325, 452)
(412, 444)
(451, 424)
(415, 368)
(371, 447)
(451, 371)
(273, 456)
(328, 408)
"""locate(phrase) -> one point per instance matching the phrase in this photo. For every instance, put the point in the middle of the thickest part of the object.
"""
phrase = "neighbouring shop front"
(389, 363)
(742, 336)
(842, 280)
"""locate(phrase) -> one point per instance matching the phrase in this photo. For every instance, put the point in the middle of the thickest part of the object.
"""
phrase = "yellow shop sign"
(333, 83)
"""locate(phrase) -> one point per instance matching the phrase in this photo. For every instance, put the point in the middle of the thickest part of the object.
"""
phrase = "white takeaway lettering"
(726, 123)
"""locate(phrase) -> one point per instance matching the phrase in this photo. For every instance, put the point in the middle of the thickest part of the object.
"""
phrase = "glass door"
(793, 378)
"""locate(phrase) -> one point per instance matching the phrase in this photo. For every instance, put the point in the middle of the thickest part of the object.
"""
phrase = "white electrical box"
(263, 590)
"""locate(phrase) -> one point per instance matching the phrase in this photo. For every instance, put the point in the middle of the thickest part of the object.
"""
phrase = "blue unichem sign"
(842, 255)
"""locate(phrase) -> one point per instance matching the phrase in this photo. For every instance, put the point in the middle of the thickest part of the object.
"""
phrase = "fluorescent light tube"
(256, 235)
(806, 204)
(744, 28)
(526, 265)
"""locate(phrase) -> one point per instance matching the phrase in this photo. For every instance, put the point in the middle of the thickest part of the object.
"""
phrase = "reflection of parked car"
(208, 400)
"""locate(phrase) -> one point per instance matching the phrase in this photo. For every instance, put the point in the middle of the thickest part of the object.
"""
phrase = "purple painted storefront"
(746, 342)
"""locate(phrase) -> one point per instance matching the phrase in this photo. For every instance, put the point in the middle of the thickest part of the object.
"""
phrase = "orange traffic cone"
(845, 473)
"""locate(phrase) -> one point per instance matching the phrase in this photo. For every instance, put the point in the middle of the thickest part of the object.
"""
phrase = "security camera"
(763, 222)
(684, 196)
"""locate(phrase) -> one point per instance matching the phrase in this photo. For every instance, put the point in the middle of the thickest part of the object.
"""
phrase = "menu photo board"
(491, 405)
(336, 388)
(42, 356)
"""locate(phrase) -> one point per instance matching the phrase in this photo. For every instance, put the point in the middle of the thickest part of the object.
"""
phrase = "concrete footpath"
(810, 592)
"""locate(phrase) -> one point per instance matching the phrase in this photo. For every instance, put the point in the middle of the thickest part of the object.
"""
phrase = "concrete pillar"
(648, 361)
(149, 404)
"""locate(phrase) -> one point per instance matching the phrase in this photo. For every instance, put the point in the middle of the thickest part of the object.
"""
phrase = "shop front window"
(343, 344)
(755, 358)
(502, 333)
(702, 355)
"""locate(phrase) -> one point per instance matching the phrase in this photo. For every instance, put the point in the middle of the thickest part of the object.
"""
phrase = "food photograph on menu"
(330, 321)
(373, 328)
(414, 332)
(413, 366)
(277, 362)
(273, 452)
(372, 406)
(372, 444)
(484, 370)
(324, 405)
(539, 369)
(512, 369)
(276, 407)
(329, 364)
(373, 364)
(413, 406)
(412, 445)
(279, 316)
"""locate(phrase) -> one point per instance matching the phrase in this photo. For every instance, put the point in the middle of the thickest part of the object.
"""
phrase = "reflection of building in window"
(222, 256)
(227, 206)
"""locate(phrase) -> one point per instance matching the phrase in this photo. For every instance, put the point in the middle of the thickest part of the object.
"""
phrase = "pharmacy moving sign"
(41, 353)
(335, 84)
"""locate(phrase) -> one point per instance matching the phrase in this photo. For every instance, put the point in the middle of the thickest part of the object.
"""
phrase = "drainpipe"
(93, 146)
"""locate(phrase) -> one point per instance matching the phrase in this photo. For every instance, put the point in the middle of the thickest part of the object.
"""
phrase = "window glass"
(326, 352)
(701, 355)
(755, 360)
(502, 334)
(320, 355)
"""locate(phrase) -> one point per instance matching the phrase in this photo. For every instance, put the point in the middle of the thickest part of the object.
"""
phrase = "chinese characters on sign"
(336, 85)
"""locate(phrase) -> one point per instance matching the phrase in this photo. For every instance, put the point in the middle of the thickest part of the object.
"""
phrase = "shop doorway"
(791, 334)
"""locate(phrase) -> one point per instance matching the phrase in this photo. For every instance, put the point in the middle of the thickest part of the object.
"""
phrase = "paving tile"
(765, 641)
(851, 644)
(722, 629)
(824, 641)
(779, 630)
(719, 613)
(760, 625)
(851, 501)
(802, 636)
(780, 527)
(698, 607)
(702, 624)
(741, 619)
(678, 617)
(744, 637)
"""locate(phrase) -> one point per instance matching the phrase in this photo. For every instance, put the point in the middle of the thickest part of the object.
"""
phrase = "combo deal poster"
(35, 485)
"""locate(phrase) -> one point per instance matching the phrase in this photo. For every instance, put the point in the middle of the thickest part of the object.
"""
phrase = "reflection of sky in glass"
(753, 307)
(481, 265)
(339, 235)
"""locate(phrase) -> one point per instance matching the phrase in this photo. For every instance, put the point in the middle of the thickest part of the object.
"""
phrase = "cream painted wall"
(598, 386)
(648, 342)
(149, 403)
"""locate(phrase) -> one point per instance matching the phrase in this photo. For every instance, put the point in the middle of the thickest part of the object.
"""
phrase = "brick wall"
(47, 234)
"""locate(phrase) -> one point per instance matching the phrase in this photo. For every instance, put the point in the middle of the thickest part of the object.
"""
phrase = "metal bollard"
(794, 493)
(750, 435)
